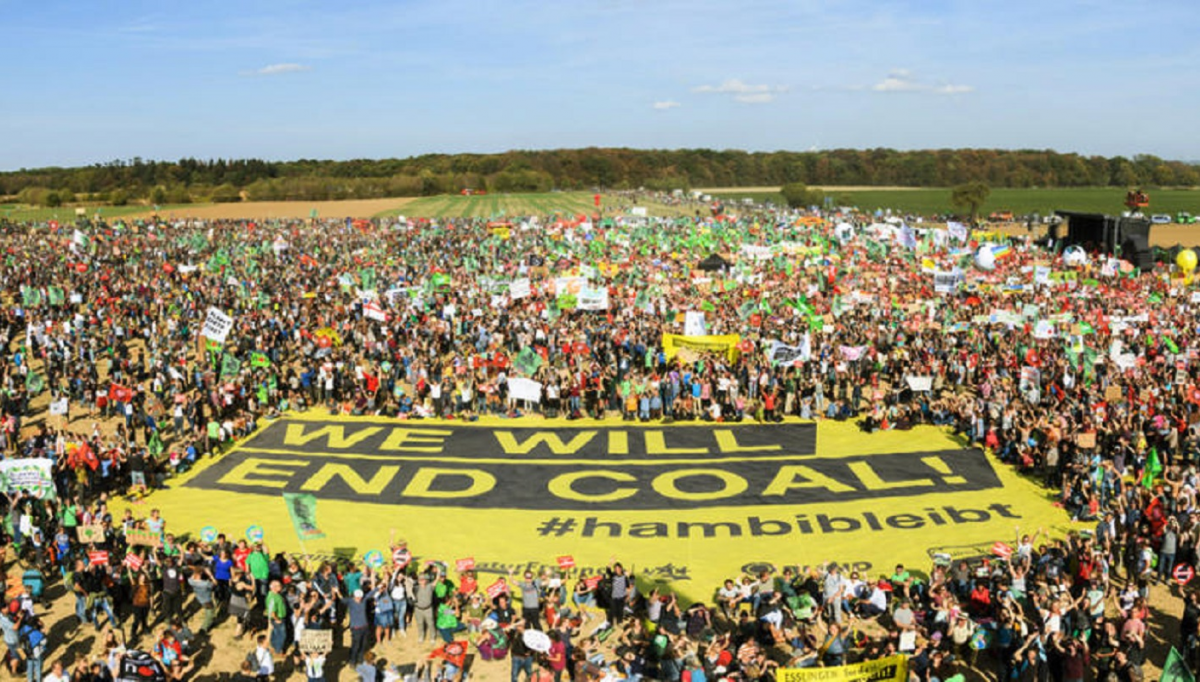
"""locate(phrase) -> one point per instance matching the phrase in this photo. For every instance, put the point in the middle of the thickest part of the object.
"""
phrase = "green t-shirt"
(276, 606)
(258, 565)
(445, 617)
(70, 516)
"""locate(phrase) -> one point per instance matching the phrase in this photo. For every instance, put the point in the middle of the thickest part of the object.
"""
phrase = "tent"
(138, 666)
(713, 263)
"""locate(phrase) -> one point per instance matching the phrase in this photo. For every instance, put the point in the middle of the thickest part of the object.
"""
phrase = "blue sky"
(90, 82)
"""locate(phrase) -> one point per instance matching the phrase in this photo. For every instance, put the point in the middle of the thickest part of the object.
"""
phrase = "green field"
(508, 205)
(19, 213)
(1019, 201)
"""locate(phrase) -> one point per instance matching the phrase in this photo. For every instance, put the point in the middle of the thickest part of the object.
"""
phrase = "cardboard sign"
(97, 558)
(566, 562)
(1113, 394)
(217, 325)
(1086, 441)
(144, 538)
(464, 564)
(496, 589)
(133, 561)
(316, 641)
(90, 533)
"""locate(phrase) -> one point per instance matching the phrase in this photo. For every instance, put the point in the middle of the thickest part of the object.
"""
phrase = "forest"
(193, 180)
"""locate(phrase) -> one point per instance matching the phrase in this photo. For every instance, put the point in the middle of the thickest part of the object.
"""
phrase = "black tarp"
(713, 263)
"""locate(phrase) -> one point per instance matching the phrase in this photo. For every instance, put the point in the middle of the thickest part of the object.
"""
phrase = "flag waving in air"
(302, 507)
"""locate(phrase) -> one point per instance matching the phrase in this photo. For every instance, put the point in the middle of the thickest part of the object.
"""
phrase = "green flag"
(528, 361)
(56, 296)
(1153, 469)
(230, 366)
(34, 383)
(707, 306)
(155, 446)
(816, 323)
(302, 507)
(368, 278)
(1170, 344)
(32, 296)
(258, 359)
(1175, 668)
(567, 302)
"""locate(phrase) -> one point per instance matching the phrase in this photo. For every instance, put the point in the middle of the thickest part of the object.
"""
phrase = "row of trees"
(192, 179)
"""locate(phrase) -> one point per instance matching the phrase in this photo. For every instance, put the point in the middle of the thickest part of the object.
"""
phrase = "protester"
(1081, 374)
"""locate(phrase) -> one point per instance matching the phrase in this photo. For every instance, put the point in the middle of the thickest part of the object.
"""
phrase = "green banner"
(302, 507)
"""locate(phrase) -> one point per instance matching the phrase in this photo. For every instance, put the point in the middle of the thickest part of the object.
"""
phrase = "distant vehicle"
(1001, 217)
(1185, 218)
(1160, 219)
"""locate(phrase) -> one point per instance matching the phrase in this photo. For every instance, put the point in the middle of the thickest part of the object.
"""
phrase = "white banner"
(33, 475)
(1041, 275)
(919, 383)
(1044, 330)
(756, 252)
(60, 407)
(569, 285)
(783, 354)
(217, 325)
(593, 299)
(519, 288)
(374, 311)
(524, 389)
(693, 323)
(946, 282)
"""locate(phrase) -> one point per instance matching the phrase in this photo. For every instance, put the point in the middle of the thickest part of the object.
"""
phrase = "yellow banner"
(684, 506)
(727, 344)
(881, 670)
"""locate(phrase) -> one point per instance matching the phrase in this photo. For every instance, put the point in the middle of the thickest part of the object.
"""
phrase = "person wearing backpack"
(33, 647)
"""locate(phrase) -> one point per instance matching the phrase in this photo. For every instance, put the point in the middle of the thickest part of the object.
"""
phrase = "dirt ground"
(355, 208)
(1160, 235)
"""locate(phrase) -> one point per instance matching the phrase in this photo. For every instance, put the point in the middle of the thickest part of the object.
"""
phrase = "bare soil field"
(354, 208)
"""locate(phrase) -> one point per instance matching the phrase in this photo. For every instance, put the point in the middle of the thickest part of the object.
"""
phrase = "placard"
(143, 538)
(217, 325)
(1086, 441)
(133, 561)
(496, 589)
(566, 562)
(1113, 394)
(466, 564)
(316, 641)
(98, 558)
(90, 533)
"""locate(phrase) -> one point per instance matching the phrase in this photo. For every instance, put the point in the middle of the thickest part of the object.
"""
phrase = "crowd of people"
(1081, 372)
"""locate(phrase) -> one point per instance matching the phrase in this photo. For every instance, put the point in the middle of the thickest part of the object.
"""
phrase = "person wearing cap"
(360, 627)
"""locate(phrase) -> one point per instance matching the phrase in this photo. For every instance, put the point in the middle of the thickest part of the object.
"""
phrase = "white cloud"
(747, 93)
(666, 104)
(903, 80)
(277, 69)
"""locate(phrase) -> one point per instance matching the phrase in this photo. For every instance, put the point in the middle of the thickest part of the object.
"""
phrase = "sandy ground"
(355, 208)
(1160, 235)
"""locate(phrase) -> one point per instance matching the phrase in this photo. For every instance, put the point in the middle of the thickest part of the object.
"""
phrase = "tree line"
(186, 180)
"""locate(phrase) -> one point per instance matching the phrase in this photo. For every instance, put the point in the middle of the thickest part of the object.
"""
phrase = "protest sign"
(90, 533)
(566, 562)
(464, 564)
(316, 641)
(524, 389)
(519, 288)
(33, 475)
(693, 323)
(143, 538)
(1086, 441)
(916, 383)
(888, 669)
(217, 325)
(97, 558)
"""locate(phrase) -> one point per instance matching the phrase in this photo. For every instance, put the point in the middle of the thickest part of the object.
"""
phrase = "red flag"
(120, 393)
